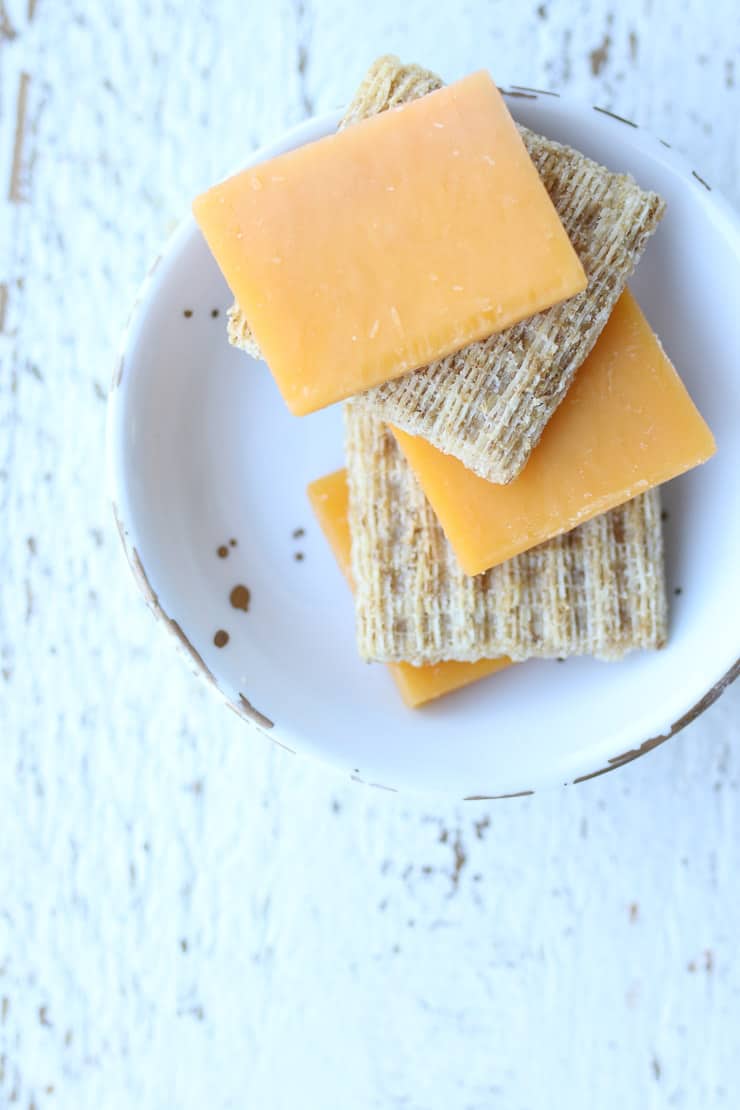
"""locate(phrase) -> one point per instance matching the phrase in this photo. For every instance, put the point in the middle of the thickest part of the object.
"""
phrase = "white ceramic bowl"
(202, 451)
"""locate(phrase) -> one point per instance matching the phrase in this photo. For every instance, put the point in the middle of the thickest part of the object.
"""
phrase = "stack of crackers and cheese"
(460, 283)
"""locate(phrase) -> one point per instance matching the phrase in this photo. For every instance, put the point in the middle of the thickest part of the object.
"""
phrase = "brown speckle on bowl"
(248, 710)
(143, 580)
(622, 119)
(240, 598)
(497, 797)
(191, 650)
(540, 92)
(518, 94)
(117, 374)
(153, 266)
(222, 551)
(221, 638)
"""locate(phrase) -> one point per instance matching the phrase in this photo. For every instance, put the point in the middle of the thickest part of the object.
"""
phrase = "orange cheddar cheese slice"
(419, 685)
(389, 244)
(626, 424)
(329, 498)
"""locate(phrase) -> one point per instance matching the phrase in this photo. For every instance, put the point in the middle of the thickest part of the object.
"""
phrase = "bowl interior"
(203, 452)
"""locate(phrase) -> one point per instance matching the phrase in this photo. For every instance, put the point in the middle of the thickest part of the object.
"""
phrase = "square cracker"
(488, 404)
(598, 590)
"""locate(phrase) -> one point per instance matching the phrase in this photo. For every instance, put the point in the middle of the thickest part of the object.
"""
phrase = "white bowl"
(203, 451)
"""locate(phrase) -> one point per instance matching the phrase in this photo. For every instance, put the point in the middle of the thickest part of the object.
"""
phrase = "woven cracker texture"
(598, 590)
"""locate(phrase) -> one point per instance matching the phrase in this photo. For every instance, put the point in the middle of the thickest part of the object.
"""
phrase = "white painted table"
(189, 917)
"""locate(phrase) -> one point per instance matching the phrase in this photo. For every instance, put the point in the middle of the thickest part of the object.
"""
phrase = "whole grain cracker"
(598, 590)
(488, 404)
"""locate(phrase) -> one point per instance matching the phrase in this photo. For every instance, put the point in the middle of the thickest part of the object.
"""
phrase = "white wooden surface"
(189, 917)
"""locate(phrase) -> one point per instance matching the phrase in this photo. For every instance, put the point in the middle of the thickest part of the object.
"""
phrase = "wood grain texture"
(189, 917)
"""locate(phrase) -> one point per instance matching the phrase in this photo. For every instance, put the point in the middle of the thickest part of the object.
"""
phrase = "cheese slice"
(329, 497)
(390, 244)
(627, 424)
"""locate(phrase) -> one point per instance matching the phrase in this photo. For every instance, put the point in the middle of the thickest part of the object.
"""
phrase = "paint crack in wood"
(258, 718)
(15, 189)
(599, 56)
(303, 59)
(7, 30)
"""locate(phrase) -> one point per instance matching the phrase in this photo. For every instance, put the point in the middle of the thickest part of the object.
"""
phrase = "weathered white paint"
(188, 917)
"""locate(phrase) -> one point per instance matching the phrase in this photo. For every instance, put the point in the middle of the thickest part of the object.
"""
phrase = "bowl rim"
(305, 131)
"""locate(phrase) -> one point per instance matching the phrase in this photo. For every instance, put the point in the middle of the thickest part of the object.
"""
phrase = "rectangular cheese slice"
(329, 499)
(626, 425)
(597, 590)
(390, 244)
